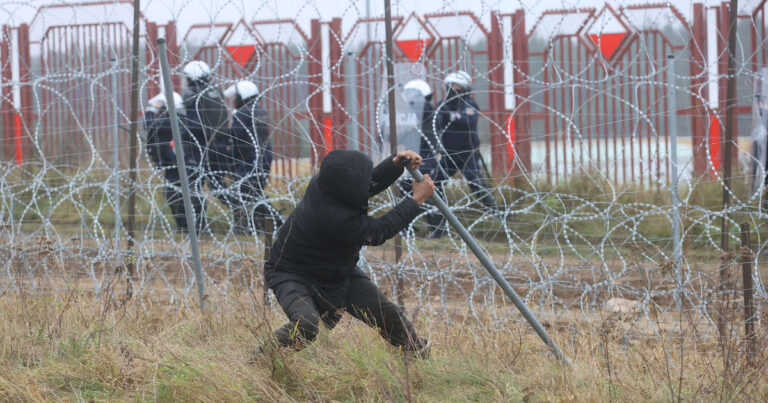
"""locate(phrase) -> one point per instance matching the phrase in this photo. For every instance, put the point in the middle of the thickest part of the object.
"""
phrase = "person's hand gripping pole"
(423, 189)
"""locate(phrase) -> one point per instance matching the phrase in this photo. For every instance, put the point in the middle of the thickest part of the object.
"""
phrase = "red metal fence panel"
(587, 98)
(604, 105)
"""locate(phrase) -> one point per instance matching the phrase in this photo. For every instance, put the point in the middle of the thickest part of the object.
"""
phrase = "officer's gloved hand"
(454, 115)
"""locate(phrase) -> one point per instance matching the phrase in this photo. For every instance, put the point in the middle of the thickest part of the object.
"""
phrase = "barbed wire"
(568, 234)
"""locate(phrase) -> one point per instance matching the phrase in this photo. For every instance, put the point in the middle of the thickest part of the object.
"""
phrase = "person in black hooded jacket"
(312, 268)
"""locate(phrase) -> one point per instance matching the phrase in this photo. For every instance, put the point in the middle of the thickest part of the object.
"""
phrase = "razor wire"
(569, 235)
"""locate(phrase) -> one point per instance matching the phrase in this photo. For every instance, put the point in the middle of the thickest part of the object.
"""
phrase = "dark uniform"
(428, 149)
(457, 119)
(207, 120)
(159, 137)
(252, 160)
(313, 265)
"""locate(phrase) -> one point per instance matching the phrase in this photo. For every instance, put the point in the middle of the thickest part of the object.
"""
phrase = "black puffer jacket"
(250, 136)
(159, 138)
(321, 240)
(458, 116)
(206, 115)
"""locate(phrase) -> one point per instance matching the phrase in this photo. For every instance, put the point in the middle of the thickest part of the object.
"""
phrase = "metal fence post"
(116, 159)
(7, 109)
(188, 211)
(400, 292)
(672, 124)
(490, 267)
(350, 82)
(697, 45)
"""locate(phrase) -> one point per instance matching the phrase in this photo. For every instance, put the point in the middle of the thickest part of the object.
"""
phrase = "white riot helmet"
(245, 89)
(197, 70)
(242, 92)
(159, 99)
(419, 85)
(461, 78)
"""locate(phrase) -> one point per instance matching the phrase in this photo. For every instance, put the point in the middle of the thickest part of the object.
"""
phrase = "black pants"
(175, 199)
(254, 206)
(306, 308)
(467, 162)
(219, 169)
(173, 193)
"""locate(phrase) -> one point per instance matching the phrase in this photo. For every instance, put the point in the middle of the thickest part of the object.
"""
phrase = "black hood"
(345, 176)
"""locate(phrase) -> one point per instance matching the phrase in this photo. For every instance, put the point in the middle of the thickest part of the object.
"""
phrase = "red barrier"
(8, 110)
(328, 135)
(17, 138)
(602, 106)
(715, 142)
(510, 142)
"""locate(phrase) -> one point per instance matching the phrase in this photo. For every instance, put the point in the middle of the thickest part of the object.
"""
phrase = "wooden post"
(134, 132)
(730, 105)
(747, 256)
(399, 294)
(269, 229)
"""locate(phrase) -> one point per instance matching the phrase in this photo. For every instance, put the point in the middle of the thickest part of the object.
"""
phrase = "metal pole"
(490, 267)
(351, 82)
(393, 131)
(672, 124)
(188, 211)
(116, 161)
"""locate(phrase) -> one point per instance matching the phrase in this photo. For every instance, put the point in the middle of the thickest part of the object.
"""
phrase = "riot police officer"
(252, 156)
(160, 149)
(207, 120)
(457, 119)
(429, 144)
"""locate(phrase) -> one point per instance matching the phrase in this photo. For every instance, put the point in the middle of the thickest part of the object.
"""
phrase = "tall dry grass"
(77, 346)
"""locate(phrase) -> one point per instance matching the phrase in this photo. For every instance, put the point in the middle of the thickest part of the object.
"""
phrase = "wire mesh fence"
(574, 123)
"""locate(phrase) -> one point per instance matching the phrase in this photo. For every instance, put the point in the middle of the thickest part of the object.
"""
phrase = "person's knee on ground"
(299, 332)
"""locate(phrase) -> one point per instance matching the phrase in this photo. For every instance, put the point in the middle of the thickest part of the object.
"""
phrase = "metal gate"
(602, 83)
(84, 70)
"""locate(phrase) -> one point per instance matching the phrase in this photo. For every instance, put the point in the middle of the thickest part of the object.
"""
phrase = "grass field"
(75, 346)
(59, 340)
